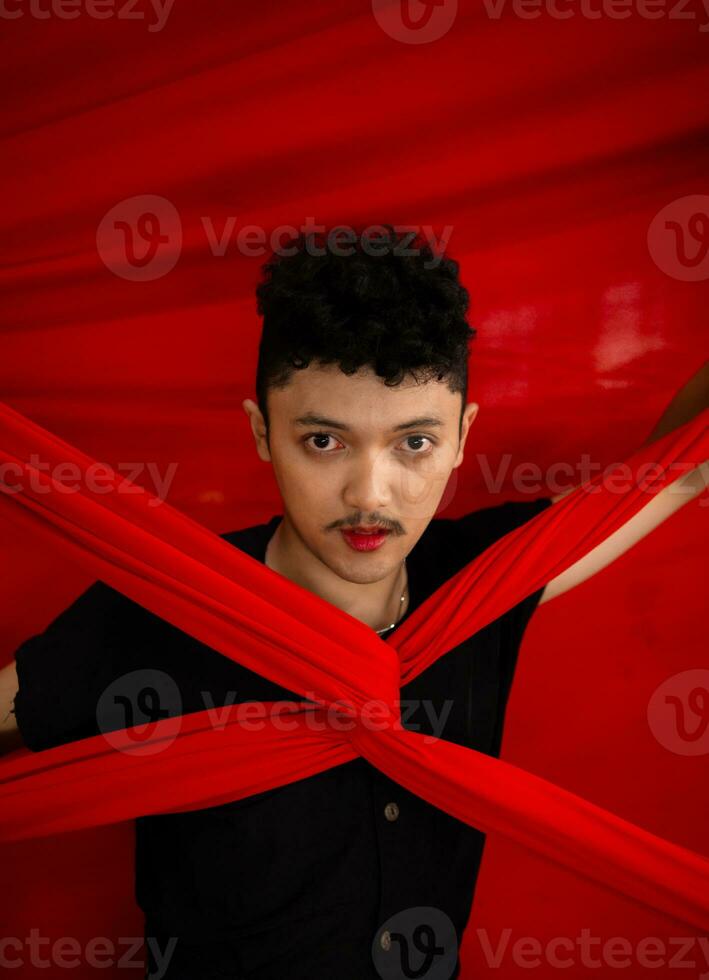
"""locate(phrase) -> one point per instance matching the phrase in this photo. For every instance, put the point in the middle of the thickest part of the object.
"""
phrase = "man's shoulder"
(504, 516)
(253, 538)
(458, 540)
(103, 603)
(455, 542)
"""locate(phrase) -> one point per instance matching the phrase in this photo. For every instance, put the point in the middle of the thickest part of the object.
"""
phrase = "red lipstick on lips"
(362, 539)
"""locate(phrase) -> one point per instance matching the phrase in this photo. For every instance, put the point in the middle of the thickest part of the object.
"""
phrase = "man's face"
(349, 451)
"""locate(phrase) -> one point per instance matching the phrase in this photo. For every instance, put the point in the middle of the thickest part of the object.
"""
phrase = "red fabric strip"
(200, 583)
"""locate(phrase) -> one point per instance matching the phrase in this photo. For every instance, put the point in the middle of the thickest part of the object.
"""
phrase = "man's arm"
(59, 674)
(10, 737)
(688, 402)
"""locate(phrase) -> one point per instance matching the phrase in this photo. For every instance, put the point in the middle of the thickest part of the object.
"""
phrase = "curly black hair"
(374, 305)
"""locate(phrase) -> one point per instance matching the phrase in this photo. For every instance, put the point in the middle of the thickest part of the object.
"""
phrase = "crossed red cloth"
(200, 583)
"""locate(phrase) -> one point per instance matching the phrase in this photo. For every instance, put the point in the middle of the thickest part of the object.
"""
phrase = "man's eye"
(321, 437)
(416, 449)
(320, 443)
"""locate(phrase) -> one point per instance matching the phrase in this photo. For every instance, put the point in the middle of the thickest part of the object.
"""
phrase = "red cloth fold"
(203, 585)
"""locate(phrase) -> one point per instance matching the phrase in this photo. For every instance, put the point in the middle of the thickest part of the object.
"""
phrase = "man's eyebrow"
(311, 419)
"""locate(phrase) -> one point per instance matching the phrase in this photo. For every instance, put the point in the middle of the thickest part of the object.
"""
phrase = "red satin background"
(549, 146)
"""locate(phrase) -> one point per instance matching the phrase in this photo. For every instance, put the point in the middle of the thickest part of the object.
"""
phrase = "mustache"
(350, 522)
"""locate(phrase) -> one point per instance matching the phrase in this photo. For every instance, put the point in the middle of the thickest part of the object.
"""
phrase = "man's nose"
(368, 485)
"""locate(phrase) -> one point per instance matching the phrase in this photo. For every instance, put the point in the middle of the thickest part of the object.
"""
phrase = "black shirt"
(341, 875)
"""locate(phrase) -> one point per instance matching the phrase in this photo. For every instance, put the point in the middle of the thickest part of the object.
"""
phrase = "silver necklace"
(401, 606)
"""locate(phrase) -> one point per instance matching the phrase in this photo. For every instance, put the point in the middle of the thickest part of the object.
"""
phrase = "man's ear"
(258, 427)
(469, 416)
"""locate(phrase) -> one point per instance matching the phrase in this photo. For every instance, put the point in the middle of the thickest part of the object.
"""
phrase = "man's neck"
(378, 604)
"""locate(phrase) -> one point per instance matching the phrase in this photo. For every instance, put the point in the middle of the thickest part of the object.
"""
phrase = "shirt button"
(385, 940)
(391, 812)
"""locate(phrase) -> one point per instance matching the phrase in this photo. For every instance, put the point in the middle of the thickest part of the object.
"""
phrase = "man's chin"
(361, 573)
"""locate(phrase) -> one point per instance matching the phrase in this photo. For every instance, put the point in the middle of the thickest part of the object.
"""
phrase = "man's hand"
(688, 402)
(9, 733)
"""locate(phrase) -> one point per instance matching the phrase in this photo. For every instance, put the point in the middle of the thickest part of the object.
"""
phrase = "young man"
(362, 412)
